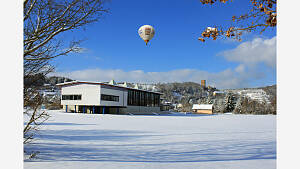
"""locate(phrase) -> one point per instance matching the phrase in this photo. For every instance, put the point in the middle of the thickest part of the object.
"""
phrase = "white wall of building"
(90, 94)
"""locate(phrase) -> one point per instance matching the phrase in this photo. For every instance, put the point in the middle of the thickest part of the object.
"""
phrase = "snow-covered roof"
(202, 106)
(101, 83)
(112, 82)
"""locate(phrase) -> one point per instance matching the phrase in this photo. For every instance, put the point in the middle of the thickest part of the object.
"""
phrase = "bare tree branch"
(30, 8)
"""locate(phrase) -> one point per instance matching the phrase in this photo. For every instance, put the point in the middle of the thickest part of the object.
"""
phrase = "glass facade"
(142, 98)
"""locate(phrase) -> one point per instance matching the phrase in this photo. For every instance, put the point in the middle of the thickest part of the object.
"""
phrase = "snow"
(255, 94)
(202, 106)
(73, 141)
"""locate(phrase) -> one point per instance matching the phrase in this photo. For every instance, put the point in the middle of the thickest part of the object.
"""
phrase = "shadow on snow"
(129, 146)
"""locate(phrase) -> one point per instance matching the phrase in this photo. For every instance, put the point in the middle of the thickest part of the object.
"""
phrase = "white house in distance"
(113, 98)
(203, 108)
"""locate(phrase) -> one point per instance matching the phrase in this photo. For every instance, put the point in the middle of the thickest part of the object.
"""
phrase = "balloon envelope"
(146, 32)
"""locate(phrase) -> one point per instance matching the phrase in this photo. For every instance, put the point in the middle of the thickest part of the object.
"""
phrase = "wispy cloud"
(248, 54)
(97, 58)
(77, 49)
(225, 79)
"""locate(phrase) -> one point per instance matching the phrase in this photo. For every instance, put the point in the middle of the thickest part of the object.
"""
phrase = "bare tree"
(262, 15)
(44, 21)
(33, 102)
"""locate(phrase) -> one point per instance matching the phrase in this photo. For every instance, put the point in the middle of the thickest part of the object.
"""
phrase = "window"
(77, 97)
(71, 97)
(109, 98)
(141, 98)
(129, 98)
(156, 100)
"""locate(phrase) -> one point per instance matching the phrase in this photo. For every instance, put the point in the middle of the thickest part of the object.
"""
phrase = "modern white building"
(113, 98)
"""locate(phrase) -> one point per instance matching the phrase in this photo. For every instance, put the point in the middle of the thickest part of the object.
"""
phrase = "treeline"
(186, 92)
(243, 105)
(248, 106)
(189, 93)
(39, 80)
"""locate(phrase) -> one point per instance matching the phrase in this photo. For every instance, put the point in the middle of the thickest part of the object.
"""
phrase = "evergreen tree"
(229, 102)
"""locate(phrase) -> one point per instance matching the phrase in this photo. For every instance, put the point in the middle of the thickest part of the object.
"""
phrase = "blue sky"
(114, 49)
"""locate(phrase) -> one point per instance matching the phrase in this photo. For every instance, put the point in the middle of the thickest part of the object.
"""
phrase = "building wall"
(90, 94)
(139, 109)
(122, 93)
(203, 83)
(70, 108)
(165, 108)
(116, 110)
(199, 111)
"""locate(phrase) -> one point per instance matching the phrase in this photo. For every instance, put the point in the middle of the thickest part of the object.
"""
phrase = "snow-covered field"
(73, 141)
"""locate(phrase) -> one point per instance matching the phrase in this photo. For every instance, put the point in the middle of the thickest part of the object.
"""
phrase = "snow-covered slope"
(256, 94)
(73, 141)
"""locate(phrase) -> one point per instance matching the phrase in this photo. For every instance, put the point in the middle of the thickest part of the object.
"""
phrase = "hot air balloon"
(146, 32)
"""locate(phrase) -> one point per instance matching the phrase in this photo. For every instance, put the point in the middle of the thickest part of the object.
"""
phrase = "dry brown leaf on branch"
(201, 39)
(206, 35)
(223, 1)
(261, 16)
(227, 34)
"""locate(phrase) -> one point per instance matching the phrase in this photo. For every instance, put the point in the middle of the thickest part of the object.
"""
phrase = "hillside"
(261, 100)
(186, 92)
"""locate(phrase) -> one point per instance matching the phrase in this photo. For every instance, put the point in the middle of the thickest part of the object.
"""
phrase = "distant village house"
(202, 108)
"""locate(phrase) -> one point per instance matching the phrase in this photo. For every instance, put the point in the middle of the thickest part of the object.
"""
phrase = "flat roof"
(101, 83)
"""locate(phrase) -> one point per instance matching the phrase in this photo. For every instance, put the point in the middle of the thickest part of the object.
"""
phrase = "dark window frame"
(71, 97)
(106, 97)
